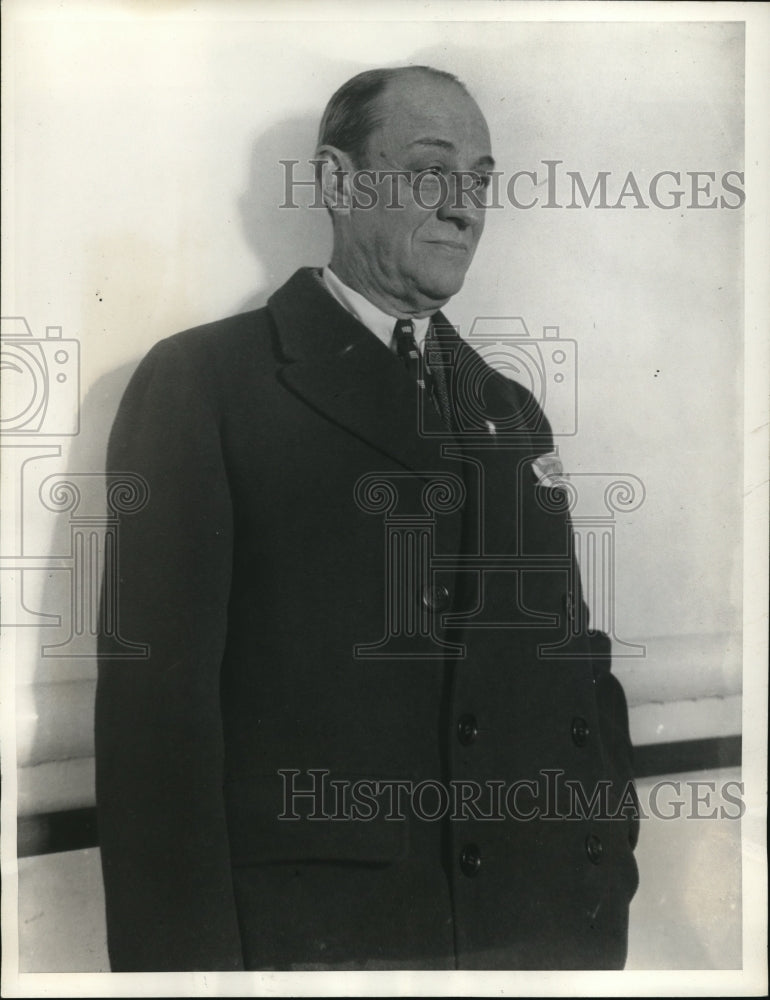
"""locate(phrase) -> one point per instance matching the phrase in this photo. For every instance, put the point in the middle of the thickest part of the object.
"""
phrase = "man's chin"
(441, 289)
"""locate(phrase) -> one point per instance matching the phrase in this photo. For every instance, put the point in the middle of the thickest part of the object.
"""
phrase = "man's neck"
(388, 304)
(380, 323)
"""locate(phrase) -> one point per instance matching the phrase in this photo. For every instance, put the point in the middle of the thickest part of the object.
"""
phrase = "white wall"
(145, 192)
(146, 201)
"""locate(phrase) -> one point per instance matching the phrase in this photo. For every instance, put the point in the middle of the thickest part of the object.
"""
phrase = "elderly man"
(359, 596)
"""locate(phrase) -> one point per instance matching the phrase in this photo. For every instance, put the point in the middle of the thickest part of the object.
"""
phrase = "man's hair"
(355, 110)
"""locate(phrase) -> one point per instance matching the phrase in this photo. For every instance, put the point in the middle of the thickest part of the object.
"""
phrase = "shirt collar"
(380, 323)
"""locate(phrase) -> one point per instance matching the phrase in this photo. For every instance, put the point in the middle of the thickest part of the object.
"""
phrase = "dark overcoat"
(333, 589)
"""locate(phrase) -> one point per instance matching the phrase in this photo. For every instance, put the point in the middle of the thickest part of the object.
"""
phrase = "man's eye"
(479, 182)
(435, 171)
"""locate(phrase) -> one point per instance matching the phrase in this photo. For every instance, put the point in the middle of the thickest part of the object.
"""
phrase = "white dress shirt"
(374, 319)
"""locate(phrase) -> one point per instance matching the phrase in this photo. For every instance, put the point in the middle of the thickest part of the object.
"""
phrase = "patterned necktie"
(439, 379)
(406, 348)
(434, 383)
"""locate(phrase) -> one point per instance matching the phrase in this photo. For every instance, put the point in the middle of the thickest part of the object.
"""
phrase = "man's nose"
(464, 201)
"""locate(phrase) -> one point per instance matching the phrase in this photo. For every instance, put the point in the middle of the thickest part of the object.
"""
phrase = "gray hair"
(354, 110)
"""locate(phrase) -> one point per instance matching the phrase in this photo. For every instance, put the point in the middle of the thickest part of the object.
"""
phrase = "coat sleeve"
(158, 729)
(615, 732)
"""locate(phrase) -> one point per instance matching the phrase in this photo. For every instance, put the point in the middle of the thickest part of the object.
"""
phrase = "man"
(350, 571)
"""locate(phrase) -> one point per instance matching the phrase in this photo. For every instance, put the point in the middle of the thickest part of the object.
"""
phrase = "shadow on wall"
(281, 237)
(64, 502)
(65, 495)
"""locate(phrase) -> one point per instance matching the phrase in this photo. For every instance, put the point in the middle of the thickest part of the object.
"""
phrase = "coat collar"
(344, 371)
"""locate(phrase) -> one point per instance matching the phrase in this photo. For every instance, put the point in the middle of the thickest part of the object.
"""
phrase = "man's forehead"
(434, 113)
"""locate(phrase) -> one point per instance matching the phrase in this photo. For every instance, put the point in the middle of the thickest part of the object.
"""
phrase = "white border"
(752, 980)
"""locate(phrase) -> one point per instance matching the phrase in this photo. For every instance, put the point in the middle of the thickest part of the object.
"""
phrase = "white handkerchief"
(549, 469)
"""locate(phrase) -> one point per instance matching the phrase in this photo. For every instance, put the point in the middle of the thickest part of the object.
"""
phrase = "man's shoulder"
(212, 361)
(222, 336)
(233, 339)
(212, 353)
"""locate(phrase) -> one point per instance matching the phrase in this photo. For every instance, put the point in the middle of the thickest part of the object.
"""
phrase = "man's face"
(414, 257)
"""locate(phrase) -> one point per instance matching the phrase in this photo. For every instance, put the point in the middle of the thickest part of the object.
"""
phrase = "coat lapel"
(346, 373)
(493, 436)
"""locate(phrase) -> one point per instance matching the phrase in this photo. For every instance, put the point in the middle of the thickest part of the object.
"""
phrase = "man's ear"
(333, 171)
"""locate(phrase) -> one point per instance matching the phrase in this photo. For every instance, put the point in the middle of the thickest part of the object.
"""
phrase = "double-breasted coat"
(333, 589)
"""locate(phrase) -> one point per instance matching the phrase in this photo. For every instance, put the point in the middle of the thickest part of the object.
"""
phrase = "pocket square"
(549, 469)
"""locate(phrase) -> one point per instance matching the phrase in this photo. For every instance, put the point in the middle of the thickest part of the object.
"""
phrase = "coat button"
(467, 730)
(470, 860)
(580, 731)
(594, 849)
(436, 598)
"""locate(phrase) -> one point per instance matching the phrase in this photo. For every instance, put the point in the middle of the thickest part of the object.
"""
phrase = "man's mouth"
(451, 245)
